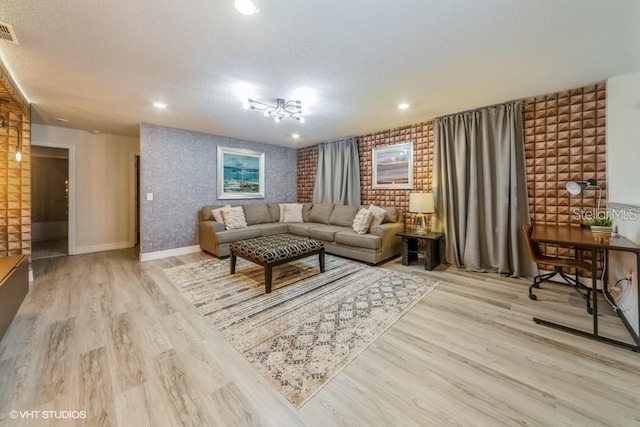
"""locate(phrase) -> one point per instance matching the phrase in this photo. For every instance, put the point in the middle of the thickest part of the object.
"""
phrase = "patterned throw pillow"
(378, 216)
(217, 214)
(291, 212)
(362, 221)
(234, 218)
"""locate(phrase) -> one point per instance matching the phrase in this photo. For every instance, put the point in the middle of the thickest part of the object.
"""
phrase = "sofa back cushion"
(321, 212)
(306, 211)
(205, 212)
(343, 215)
(274, 210)
(257, 213)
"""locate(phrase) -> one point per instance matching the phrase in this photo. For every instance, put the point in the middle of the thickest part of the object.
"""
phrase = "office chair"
(559, 264)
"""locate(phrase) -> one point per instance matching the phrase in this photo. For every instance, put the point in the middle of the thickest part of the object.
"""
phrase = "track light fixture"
(282, 109)
(4, 123)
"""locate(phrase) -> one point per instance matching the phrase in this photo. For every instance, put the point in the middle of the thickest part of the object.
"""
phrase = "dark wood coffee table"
(269, 251)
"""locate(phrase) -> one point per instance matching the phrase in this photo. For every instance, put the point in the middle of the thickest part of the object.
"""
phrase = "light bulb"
(18, 156)
(277, 119)
(266, 113)
(246, 105)
(302, 120)
(246, 7)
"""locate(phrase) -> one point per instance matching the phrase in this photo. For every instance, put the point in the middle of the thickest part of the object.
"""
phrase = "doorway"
(49, 202)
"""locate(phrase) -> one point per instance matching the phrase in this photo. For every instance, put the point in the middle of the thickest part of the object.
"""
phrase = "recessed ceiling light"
(160, 105)
(403, 106)
(95, 131)
(61, 120)
(246, 7)
(295, 135)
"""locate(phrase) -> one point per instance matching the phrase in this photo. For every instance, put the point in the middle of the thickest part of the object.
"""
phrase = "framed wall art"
(393, 166)
(240, 174)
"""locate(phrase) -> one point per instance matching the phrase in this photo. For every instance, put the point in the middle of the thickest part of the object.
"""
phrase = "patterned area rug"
(311, 325)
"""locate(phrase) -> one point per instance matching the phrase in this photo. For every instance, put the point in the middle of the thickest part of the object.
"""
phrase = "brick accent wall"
(564, 140)
(307, 164)
(15, 177)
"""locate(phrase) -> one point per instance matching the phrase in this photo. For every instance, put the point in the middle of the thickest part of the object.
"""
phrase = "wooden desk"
(433, 251)
(581, 238)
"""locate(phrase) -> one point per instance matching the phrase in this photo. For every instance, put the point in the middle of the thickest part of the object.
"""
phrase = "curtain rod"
(482, 108)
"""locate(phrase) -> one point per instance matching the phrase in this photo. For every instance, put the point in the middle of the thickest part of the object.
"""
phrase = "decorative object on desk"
(576, 187)
(393, 166)
(601, 228)
(240, 174)
(420, 204)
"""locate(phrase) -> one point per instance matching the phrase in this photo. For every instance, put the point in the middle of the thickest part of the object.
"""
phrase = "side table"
(434, 248)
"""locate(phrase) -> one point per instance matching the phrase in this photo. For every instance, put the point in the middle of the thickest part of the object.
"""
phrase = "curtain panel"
(338, 173)
(480, 186)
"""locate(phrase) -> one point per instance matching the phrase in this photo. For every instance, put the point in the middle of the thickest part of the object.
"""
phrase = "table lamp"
(420, 204)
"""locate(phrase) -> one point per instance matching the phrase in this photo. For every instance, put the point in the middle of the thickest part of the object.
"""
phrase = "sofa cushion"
(257, 213)
(351, 238)
(391, 215)
(302, 229)
(343, 215)
(274, 209)
(290, 212)
(378, 216)
(205, 212)
(275, 228)
(320, 213)
(362, 221)
(234, 218)
(324, 232)
(306, 211)
(229, 236)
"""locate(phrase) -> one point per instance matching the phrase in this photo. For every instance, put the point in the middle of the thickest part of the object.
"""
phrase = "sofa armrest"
(217, 226)
(388, 230)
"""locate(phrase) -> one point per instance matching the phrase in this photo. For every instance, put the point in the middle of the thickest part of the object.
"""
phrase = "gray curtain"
(338, 173)
(480, 187)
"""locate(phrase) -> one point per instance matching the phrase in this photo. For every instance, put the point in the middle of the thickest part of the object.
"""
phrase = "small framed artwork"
(393, 166)
(240, 174)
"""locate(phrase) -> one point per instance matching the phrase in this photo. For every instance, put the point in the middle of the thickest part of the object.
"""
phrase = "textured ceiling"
(100, 64)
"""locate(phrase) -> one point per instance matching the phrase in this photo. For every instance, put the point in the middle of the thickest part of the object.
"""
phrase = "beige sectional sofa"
(328, 223)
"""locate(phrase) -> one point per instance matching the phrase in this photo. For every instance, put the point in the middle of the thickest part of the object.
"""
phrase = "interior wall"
(101, 186)
(564, 140)
(623, 159)
(179, 168)
(15, 177)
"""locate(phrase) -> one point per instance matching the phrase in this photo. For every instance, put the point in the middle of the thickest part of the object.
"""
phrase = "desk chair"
(559, 264)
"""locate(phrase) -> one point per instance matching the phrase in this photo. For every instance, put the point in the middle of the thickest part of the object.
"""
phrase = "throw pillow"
(291, 212)
(234, 218)
(217, 214)
(378, 216)
(362, 221)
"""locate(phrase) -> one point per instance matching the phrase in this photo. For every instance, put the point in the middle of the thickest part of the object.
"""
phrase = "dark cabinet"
(14, 286)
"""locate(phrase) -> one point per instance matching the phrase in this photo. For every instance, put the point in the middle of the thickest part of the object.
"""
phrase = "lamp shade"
(421, 202)
(574, 188)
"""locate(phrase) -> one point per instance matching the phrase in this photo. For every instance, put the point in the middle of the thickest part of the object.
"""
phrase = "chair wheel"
(533, 297)
(590, 310)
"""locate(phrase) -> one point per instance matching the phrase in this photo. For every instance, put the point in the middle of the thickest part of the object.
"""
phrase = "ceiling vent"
(7, 33)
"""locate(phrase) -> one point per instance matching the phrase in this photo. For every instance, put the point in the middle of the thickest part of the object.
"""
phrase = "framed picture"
(240, 174)
(393, 166)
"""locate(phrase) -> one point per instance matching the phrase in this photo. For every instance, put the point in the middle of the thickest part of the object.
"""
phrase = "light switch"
(149, 196)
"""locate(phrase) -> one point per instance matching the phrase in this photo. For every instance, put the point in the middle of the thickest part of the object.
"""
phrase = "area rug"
(311, 325)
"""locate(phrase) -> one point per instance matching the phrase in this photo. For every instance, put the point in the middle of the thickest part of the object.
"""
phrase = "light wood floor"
(105, 334)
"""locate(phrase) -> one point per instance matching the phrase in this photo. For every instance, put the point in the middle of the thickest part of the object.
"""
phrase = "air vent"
(7, 33)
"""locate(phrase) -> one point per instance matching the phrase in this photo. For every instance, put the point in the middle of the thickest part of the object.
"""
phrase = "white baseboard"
(149, 256)
(101, 248)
